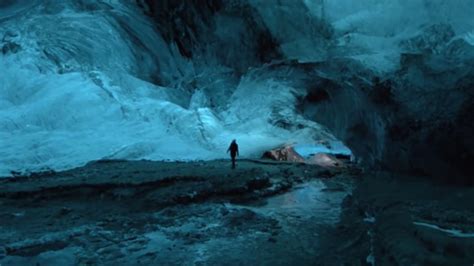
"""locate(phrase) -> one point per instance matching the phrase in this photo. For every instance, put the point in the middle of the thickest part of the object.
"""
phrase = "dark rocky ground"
(203, 213)
(405, 220)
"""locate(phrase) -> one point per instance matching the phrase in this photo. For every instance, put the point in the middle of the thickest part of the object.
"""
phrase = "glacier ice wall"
(414, 117)
(84, 80)
(371, 31)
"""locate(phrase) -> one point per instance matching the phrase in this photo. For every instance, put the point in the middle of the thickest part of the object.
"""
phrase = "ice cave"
(353, 119)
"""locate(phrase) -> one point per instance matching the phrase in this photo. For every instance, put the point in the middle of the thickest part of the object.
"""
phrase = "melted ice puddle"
(307, 201)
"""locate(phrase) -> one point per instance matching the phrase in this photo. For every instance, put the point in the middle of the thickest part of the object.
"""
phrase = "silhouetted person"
(234, 151)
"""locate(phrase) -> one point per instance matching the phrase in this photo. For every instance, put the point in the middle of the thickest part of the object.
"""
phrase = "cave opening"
(353, 121)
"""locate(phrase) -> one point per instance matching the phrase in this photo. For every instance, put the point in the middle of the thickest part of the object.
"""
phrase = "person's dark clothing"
(234, 151)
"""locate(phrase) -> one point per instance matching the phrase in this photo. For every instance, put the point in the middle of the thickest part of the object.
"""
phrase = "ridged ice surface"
(80, 88)
(83, 80)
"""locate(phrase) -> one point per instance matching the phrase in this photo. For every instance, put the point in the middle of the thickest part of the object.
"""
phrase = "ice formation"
(84, 80)
(81, 86)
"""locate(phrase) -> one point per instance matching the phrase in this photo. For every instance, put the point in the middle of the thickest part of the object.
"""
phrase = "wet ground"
(404, 220)
(204, 213)
(158, 213)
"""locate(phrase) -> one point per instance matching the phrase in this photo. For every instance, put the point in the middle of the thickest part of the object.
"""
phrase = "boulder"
(289, 154)
(325, 160)
(285, 153)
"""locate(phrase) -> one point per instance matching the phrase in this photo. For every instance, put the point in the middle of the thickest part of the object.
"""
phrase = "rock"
(325, 160)
(285, 153)
(288, 154)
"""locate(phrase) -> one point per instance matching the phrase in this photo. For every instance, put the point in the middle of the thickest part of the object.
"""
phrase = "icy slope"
(63, 120)
(76, 86)
(87, 79)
